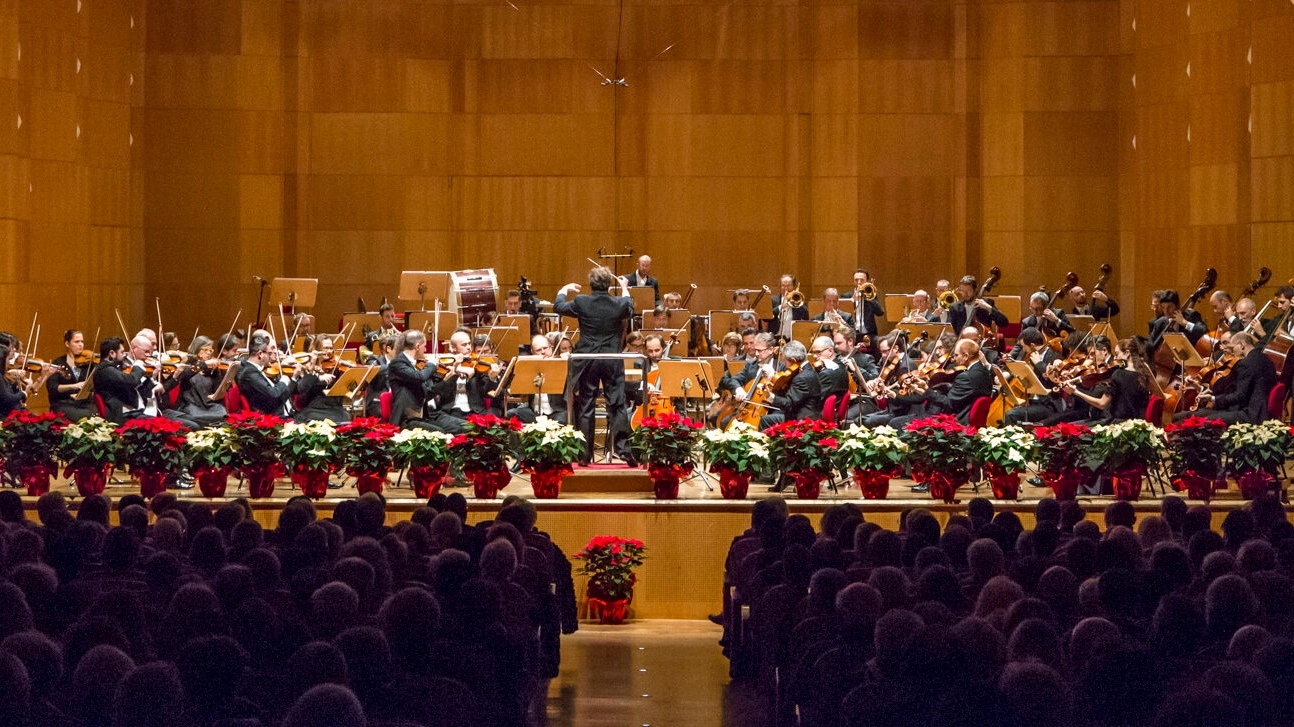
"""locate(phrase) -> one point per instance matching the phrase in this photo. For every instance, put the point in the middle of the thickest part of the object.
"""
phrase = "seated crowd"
(1157, 621)
(189, 617)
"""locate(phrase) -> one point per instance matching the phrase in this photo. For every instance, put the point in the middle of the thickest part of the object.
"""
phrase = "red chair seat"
(384, 399)
(1155, 410)
(829, 410)
(1276, 401)
(979, 411)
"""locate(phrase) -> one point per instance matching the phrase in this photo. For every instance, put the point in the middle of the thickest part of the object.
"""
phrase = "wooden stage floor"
(687, 539)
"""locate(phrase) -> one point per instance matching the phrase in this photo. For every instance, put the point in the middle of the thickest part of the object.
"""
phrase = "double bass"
(994, 275)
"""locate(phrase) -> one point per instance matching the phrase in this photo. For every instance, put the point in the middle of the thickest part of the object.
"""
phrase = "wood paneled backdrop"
(172, 149)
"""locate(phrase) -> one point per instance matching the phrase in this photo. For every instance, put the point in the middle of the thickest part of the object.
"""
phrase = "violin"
(85, 358)
(780, 383)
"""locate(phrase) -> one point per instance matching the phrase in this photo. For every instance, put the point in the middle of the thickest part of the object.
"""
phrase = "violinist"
(1254, 376)
(264, 391)
(1031, 347)
(859, 366)
(552, 406)
(833, 378)
(1126, 393)
(562, 345)
(320, 372)
(17, 385)
(973, 334)
(802, 399)
(912, 402)
(831, 312)
(379, 385)
(303, 329)
(143, 353)
(71, 371)
(117, 381)
(971, 309)
(1172, 319)
(1101, 307)
(411, 379)
(462, 391)
(1094, 352)
(197, 380)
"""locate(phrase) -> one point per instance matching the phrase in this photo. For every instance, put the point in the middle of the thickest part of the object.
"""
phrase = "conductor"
(602, 320)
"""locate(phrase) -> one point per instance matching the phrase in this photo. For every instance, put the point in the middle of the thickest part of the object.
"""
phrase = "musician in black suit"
(1173, 319)
(972, 383)
(263, 394)
(970, 309)
(602, 324)
(1031, 348)
(552, 406)
(117, 381)
(410, 385)
(1254, 376)
(641, 278)
(803, 400)
(318, 378)
(763, 347)
(865, 311)
(465, 389)
(831, 312)
(68, 379)
(783, 313)
(833, 378)
(1101, 307)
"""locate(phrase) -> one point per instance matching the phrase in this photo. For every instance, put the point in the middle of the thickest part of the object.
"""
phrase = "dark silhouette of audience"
(1156, 621)
(185, 617)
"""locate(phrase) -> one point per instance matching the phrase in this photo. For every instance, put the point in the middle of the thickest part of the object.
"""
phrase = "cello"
(1165, 363)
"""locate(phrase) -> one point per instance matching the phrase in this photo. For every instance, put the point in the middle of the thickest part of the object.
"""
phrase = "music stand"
(293, 293)
(1009, 305)
(1025, 374)
(897, 306)
(1183, 350)
(509, 333)
(1105, 329)
(425, 321)
(349, 383)
(644, 298)
(88, 389)
(933, 330)
(538, 375)
(420, 285)
(689, 379)
(725, 321)
(363, 322)
(1081, 323)
(226, 383)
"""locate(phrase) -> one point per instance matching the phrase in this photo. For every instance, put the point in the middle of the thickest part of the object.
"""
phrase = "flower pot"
(91, 480)
(151, 484)
(547, 480)
(260, 479)
(733, 485)
(665, 478)
(313, 482)
(213, 482)
(1196, 485)
(1253, 484)
(944, 485)
(368, 481)
(1127, 483)
(487, 483)
(36, 479)
(608, 612)
(1005, 485)
(808, 484)
(427, 479)
(1064, 484)
(873, 484)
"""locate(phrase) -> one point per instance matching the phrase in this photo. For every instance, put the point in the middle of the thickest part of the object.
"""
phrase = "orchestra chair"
(174, 396)
(1155, 410)
(234, 401)
(1276, 401)
(843, 409)
(978, 416)
(384, 400)
(100, 406)
(829, 410)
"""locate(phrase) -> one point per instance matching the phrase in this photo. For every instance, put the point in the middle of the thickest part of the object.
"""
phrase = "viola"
(780, 383)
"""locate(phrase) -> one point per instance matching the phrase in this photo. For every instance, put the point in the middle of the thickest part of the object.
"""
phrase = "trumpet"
(866, 291)
(946, 299)
(795, 299)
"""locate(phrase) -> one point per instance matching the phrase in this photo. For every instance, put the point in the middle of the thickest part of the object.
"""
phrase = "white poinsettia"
(740, 447)
(549, 443)
(1259, 447)
(1009, 448)
(421, 447)
(871, 448)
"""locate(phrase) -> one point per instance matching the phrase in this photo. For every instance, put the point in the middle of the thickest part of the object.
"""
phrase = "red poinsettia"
(153, 444)
(29, 440)
(256, 438)
(1061, 446)
(1195, 446)
(666, 439)
(939, 444)
(367, 445)
(485, 444)
(609, 561)
(802, 445)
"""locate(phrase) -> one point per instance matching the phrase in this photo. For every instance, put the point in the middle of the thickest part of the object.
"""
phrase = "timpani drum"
(475, 292)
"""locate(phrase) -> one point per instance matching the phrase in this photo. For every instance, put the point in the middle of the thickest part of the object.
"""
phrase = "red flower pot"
(1064, 484)
(609, 612)
(260, 480)
(873, 484)
(808, 484)
(665, 479)
(313, 482)
(944, 485)
(1196, 485)
(427, 479)
(1005, 485)
(91, 480)
(151, 484)
(547, 481)
(368, 481)
(487, 483)
(1253, 484)
(36, 479)
(213, 482)
(1127, 483)
(733, 485)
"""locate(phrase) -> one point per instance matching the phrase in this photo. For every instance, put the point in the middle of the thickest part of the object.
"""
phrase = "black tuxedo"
(649, 282)
(409, 387)
(262, 395)
(1254, 377)
(797, 314)
(119, 390)
(803, 400)
(1096, 310)
(833, 380)
(867, 315)
(602, 321)
(748, 373)
(975, 382)
(959, 319)
(66, 402)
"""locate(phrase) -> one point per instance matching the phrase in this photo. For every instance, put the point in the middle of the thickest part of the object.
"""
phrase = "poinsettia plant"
(1061, 447)
(939, 445)
(485, 443)
(546, 443)
(210, 449)
(31, 440)
(741, 448)
(876, 449)
(1007, 448)
(367, 445)
(1132, 445)
(421, 448)
(609, 562)
(256, 439)
(1195, 446)
(153, 444)
(803, 445)
(1253, 448)
(309, 446)
(90, 444)
(666, 439)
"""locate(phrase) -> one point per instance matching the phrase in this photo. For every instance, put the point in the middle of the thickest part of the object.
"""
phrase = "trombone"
(866, 291)
(795, 298)
(947, 298)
